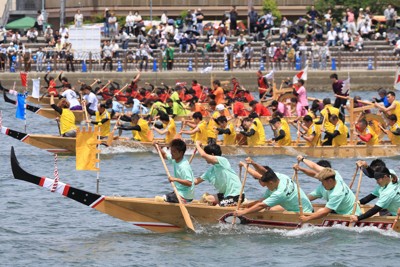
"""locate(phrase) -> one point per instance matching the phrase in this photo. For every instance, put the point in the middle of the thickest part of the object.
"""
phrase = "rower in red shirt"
(196, 88)
(239, 109)
(259, 108)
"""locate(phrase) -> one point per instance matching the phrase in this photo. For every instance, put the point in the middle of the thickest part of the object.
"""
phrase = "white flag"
(397, 80)
(301, 75)
(346, 86)
(36, 88)
(270, 75)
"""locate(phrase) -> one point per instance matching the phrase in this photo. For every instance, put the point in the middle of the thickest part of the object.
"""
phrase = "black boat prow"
(4, 89)
(20, 173)
(79, 195)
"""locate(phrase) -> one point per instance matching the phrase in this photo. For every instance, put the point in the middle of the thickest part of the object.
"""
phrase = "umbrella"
(21, 24)
(192, 32)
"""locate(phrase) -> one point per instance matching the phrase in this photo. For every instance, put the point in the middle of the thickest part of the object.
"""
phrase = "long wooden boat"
(49, 113)
(66, 145)
(165, 217)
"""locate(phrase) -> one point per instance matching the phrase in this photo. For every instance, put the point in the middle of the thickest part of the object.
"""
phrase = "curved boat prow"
(81, 196)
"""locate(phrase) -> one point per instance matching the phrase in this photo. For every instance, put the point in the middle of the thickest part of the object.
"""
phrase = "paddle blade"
(186, 217)
(110, 138)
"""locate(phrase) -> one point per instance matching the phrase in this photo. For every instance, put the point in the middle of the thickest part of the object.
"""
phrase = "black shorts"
(228, 200)
(233, 25)
(171, 198)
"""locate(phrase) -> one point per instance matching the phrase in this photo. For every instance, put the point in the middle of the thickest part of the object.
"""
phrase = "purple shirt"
(337, 88)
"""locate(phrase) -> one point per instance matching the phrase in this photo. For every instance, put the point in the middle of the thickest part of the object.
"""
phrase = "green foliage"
(183, 14)
(271, 6)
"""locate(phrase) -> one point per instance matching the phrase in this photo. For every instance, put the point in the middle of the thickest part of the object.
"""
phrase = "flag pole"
(98, 161)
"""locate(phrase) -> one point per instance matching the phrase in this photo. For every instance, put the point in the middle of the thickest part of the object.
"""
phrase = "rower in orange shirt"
(218, 92)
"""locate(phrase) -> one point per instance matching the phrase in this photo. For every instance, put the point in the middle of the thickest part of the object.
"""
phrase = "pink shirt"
(302, 97)
(350, 17)
(300, 110)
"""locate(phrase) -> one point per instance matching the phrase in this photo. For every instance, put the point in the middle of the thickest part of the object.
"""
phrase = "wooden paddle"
(184, 211)
(354, 178)
(110, 138)
(298, 193)
(395, 220)
(104, 87)
(85, 111)
(356, 200)
(241, 192)
(192, 157)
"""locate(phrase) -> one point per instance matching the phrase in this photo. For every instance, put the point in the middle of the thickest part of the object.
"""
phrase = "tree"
(270, 6)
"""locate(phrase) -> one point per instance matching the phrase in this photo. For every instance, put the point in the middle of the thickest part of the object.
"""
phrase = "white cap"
(220, 107)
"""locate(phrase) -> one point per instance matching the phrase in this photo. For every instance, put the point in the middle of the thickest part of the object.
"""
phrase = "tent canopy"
(21, 24)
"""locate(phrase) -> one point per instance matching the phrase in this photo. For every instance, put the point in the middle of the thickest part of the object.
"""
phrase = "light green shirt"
(320, 191)
(179, 110)
(182, 170)
(285, 195)
(340, 199)
(175, 97)
(223, 178)
(389, 197)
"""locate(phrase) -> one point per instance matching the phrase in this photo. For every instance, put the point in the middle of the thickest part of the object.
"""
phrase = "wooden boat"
(165, 217)
(66, 145)
(44, 101)
(49, 113)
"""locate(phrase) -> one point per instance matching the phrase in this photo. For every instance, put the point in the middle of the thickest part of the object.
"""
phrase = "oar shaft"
(299, 193)
(357, 193)
(354, 178)
(241, 191)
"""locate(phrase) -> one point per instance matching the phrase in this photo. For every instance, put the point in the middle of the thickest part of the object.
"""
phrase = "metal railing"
(6, 13)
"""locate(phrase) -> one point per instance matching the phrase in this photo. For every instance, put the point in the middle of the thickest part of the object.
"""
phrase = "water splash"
(122, 149)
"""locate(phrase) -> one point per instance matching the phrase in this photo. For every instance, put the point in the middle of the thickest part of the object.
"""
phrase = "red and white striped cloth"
(56, 178)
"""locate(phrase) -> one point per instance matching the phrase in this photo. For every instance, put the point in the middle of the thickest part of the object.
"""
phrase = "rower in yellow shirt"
(103, 119)
(339, 133)
(199, 128)
(260, 127)
(67, 117)
(169, 127)
(394, 131)
(250, 130)
(327, 126)
(366, 133)
(139, 127)
(282, 132)
(227, 129)
(313, 132)
(394, 107)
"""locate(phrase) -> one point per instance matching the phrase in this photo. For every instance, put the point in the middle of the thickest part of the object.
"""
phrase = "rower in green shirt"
(387, 192)
(183, 174)
(280, 195)
(340, 199)
(178, 109)
(220, 175)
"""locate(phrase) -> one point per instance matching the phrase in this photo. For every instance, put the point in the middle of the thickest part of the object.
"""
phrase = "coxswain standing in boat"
(183, 175)
(301, 93)
(337, 87)
(280, 195)
(220, 175)
(91, 100)
(227, 129)
(394, 107)
(327, 111)
(366, 133)
(139, 127)
(263, 87)
(339, 133)
(51, 85)
(67, 118)
(340, 199)
(103, 119)
(312, 133)
(394, 131)
(169, 127)
(387, 192)
(282, 137)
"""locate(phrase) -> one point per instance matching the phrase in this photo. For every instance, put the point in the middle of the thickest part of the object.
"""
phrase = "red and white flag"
(397, 80)
(301, 75)
(24, 79)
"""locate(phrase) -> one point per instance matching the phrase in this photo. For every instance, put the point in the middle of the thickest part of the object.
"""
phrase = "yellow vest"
(145, 134)
(395, 139)
(230, 139)
(287, 140)
(374, 140)
(211, 124)
(329, 127)
(341, 139)
(317, 137)
(255, 139)
(202, 134)
(171, 131)
(396, 111)
(104, 128)
(67, 121)
(260, 130)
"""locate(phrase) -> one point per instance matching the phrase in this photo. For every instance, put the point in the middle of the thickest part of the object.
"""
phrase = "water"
(38, 228)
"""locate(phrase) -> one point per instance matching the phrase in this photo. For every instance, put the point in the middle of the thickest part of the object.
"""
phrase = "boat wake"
(122, 149)
(305, 231)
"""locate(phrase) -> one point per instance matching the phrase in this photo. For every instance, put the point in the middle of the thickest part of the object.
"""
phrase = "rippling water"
(38, 228)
